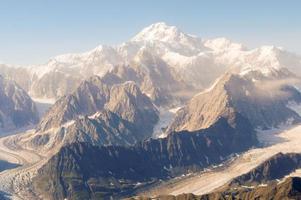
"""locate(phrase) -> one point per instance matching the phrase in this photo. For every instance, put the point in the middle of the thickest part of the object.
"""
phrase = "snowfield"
(196, 60)
(165, 118)
(279, 140)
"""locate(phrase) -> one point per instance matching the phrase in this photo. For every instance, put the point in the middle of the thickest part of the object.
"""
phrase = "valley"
(281, 140)
(285, 140)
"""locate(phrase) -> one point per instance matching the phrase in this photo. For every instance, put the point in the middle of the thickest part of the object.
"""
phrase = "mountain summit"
(196, 61)
(162, 32)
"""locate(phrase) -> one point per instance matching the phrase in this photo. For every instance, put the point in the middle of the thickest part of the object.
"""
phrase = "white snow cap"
(160, 32)
(222, 43)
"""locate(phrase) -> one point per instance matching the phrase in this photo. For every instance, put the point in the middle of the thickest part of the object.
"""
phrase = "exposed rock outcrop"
(276, 167)
(289, 189)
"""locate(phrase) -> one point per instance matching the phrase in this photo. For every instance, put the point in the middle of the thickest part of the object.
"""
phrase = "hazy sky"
(32, 31)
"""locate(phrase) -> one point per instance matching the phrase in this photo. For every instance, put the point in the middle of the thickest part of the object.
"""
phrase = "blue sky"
(32, 31)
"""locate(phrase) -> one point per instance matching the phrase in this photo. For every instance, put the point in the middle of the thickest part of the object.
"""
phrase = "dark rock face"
(215, 143)
(82, 171)
(274, 168)
(288, 190)
(16, 107)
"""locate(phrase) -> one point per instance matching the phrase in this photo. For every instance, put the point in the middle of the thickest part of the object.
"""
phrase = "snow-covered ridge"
(222, 44)
(197, 61)
(161, 32)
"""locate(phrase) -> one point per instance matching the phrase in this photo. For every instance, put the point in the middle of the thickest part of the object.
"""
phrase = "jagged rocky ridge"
(94, 95)
(16, 107)
(275, 168)
(98, 113)
(87, 99)
(263, 100)
(102, 128)
(82, 171)
(287, 190)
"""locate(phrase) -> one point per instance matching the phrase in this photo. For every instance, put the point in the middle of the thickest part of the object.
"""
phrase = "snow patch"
(165, 118)
(44, 100)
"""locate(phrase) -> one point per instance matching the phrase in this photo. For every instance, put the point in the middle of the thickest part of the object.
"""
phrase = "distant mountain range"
(159, 56)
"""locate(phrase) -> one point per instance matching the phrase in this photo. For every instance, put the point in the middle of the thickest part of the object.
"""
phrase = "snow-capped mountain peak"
(159, 32)
(198, 62)
(172, 38)
(165, 33)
